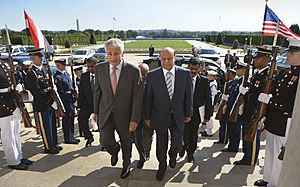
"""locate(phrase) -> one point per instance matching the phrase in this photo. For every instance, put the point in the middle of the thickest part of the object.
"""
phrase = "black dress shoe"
(172, 163)
(229, 150)
(147, 156)
(204, 134)
(59, 147)
(218, 142)
(160, 174)
(191, 159)
(114, 159)
(51, 151)
(125, 172)
(77, 140)
(89, 142)
(260, 182)
(20, 166)
(182, 152)
(140, 164)
(26, 161)
(240, 162)
(72, 142)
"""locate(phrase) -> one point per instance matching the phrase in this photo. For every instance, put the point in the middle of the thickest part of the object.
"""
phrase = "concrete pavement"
(80, 166)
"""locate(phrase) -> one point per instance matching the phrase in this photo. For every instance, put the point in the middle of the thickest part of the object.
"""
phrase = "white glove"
(243, 90)
(54, 105)
(225, 97)
(54, 87)
(224, 109)
(261, 123)
(264, 98)
(19, 88)
(241, 109)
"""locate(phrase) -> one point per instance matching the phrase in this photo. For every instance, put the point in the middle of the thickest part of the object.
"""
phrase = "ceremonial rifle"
(18, 99)
(61, 111)
(262, 106)
(234, 112)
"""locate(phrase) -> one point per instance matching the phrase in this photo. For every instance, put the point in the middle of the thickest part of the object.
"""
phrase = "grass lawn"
(158, 44)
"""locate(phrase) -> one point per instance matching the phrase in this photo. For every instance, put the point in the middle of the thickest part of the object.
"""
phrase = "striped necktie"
(169, 83)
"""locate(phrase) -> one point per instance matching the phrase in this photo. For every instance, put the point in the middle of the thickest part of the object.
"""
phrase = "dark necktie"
(92, 82)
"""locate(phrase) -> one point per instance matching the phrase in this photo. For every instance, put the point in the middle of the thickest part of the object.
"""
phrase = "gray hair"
(115, 43)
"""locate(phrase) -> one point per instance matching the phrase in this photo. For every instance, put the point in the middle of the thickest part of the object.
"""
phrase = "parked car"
(100, 54)
(80, 56)
(15, 50)
(209, 53)
(281, 61)
(19, 58)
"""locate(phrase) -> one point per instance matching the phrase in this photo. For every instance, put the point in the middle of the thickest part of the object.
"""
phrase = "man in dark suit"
(118, 95)
(168, 106)
(201, 97)
(86, 100)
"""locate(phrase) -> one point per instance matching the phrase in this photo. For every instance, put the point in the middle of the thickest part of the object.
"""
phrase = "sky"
(191, 15)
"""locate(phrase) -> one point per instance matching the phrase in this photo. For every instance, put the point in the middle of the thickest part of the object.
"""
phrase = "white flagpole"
(276, 35)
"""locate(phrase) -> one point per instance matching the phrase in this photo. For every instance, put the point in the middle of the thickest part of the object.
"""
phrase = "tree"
(93, 39)
(67, 44)
(219, 39)
(295, 28)
(235, 44)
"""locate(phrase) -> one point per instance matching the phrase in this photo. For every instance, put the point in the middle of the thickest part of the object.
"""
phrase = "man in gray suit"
(168, 106)
(118, 95)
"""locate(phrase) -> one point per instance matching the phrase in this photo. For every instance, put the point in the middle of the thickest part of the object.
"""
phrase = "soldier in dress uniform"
(223, 131)
(279, 112)
(65, 90)
(256, 86)
(10, 120)
(234, 129)
(40, 87)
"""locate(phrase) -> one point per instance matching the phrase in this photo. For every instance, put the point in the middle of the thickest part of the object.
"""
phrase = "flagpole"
(276, 35)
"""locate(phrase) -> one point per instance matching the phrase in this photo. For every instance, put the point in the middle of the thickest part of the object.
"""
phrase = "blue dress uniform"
(256, 86)
(9, 121)
(64, 88)
(234, 129)
(40, 87)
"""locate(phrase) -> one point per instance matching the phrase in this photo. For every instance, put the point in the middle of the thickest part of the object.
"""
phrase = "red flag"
(37, 36)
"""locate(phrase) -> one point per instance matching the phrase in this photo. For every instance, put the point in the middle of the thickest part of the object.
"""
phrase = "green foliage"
(67, 44)
(235, 44)
(219, 39)
(93, 39)
(158, 44)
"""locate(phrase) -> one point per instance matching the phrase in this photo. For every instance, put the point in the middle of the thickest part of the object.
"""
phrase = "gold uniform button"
(275, 104)
(270, 101)
(280, 105)
(277, 94)
(279, 85)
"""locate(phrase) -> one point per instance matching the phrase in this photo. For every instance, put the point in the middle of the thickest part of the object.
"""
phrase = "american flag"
(270, 23)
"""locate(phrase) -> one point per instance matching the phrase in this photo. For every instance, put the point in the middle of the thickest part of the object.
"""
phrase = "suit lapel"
(163, 82)
(176, 81)
(107, 77)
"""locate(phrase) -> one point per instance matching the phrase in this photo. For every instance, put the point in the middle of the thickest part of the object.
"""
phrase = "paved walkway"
(80, 166)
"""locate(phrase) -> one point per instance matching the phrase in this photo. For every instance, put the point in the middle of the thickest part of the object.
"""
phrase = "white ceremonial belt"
(5, 90)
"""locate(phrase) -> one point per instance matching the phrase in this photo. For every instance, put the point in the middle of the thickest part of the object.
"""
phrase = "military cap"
(294, 45)
(240, 65)
(232, 71)
(61, 61)
(214, 68)
(262, 52)
(37, 51)
(211, 72)
(78, 68)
